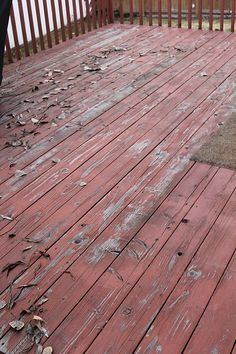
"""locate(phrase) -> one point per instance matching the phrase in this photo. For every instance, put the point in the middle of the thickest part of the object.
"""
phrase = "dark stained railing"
(40, 24)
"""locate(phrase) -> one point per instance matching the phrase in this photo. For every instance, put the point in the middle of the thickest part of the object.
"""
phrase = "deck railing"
(35, 25)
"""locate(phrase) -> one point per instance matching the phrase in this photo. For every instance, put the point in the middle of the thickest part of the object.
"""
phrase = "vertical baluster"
(200, 14)
(31, 23)
(103, 12)
(54, 18)
(99, 13)
(179, 14)
(63, 33)
(15, 34)
(24, 34)
(94, 17)
(75, 18)
(41, 39)
(131, 10)
(210, 15)
(112, 11)
(189, 14)
(233, 16)
(159, 12)
(169, 12)
(8, 50)
(121, 11)
(88, 19)
(69, 27)
(141, 12)
(222, 3)
(82, 16)
(45, 7)
(150, 12)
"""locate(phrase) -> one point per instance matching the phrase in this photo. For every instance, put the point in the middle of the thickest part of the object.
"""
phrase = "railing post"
(233, 16)
(110, 11)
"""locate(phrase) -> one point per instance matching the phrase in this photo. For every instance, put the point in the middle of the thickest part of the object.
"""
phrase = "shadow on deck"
(109, 232)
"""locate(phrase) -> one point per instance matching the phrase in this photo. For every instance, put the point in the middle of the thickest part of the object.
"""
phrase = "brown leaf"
(12, 235)
(25, 286)
(10, 266)
(28, 239)
(44, 254)
(17, 325)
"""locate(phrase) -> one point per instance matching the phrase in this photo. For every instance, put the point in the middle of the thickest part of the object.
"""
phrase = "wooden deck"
(109, 232)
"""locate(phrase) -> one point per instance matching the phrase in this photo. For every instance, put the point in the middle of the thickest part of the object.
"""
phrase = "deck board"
(112, 255)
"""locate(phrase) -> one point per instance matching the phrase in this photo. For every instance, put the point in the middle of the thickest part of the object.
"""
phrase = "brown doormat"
(220, 148)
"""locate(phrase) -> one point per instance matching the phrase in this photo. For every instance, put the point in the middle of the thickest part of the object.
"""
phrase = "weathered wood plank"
(218, 320)
(145, 300)
(174, 325)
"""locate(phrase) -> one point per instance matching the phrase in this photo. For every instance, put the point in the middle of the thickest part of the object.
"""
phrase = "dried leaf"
(164, 50)
(10, 266)
(17, 325)
(184, 221)
(25, 286)
(89, 68)
(180, 49)
(35, 88)
(42, 301)
(13, 298)
(6, 217)
(45, 97)
(37, 318)
(204, 73)
(48, 350)
(20, 173)
(44, 254)
(119, 49)
(12, 235)
(83, 184)
(62, 116)
(2, 304)
(12, 164)
(27, 249)
(28, 239)
(56, 160)
(39, 349)
(34, 120)
(8, 126)
(21, 123)
(58, 71)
